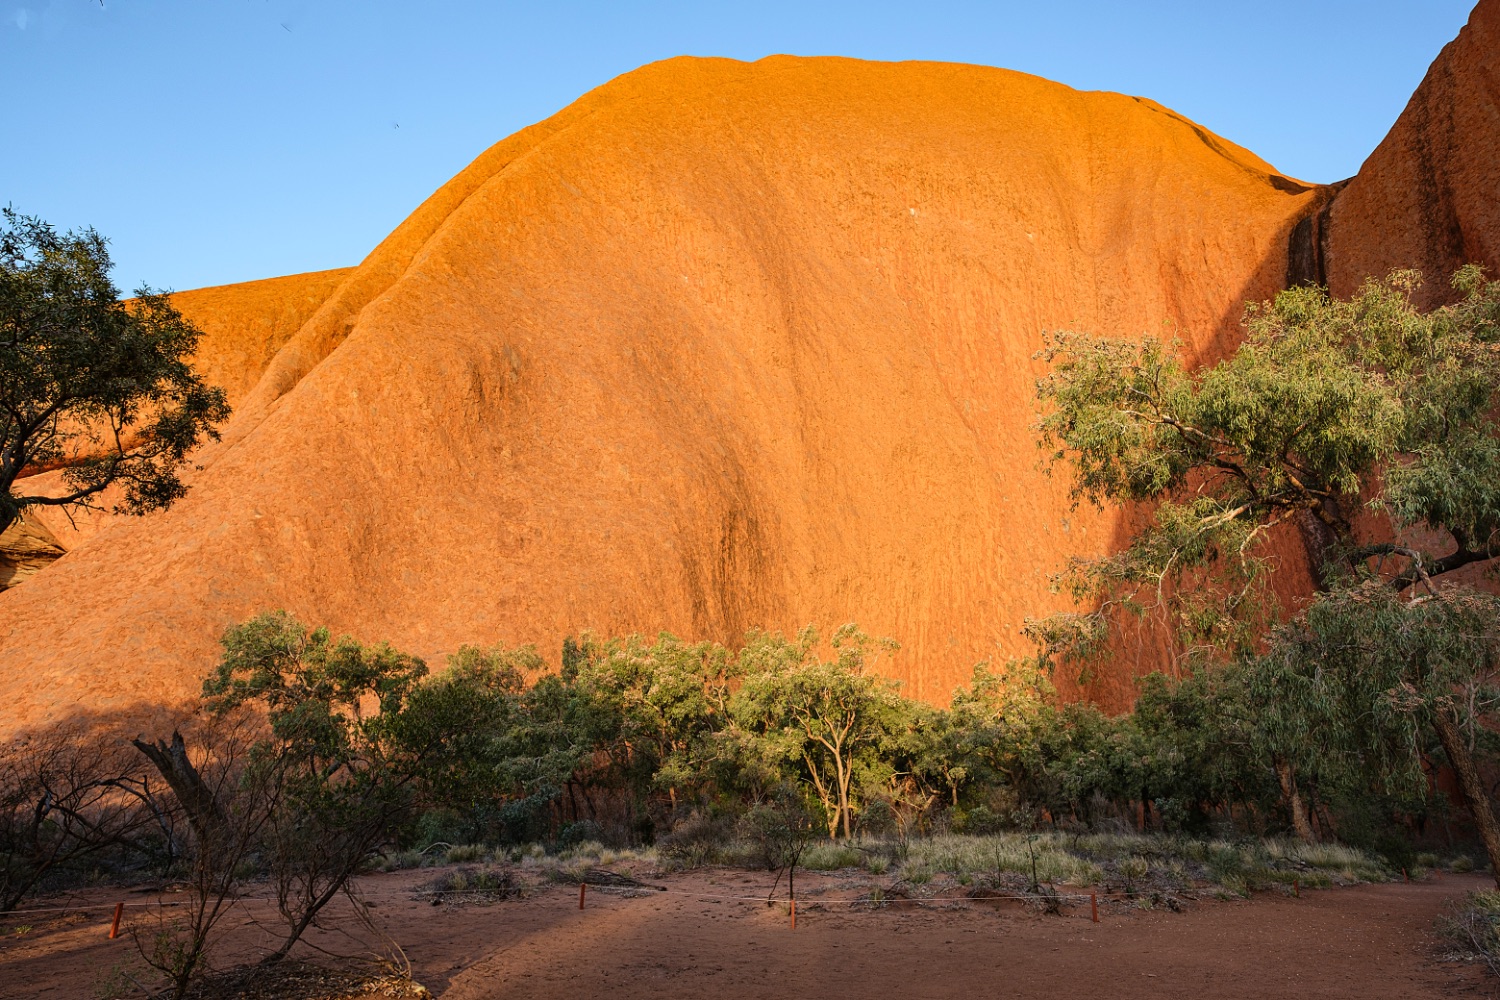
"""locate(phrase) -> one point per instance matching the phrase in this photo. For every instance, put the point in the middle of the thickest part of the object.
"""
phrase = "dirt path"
(1366, 942)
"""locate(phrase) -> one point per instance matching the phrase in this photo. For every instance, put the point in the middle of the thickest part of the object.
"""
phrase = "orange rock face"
(1429, 196)
(721, 345)
(246, 325)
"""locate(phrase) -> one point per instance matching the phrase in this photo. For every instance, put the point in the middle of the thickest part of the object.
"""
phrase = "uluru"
(722, 346)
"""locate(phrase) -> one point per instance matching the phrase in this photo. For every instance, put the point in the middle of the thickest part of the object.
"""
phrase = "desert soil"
(1367, 942)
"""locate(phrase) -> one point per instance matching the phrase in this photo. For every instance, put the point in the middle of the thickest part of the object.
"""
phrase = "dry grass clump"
(1156, 866)
(828, 857)
(1137, 863)
(1017, 853)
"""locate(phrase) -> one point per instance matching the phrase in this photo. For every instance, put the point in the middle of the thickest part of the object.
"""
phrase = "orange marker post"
(1094, 905)
(114, 927)
(1404, 876)
(1297, 887)
(582, 888)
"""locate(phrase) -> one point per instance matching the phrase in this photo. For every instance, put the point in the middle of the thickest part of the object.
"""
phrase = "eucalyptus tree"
(829, 720)
(103, 389)
(1366, 674)
(336, 779)
(666, 700)
(1328, 407)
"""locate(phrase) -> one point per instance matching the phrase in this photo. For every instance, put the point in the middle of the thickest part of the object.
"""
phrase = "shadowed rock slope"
(1429, 196)
(721, 345)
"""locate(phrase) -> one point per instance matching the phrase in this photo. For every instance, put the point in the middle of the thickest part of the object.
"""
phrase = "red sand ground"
(1367, 942)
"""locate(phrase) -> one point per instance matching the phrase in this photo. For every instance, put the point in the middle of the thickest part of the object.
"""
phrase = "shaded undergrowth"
(1121, 864)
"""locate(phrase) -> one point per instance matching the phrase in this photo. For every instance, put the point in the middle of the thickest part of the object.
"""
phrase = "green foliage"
(1360, 675)
(828, 720)
(343, 759)
(656, 707)
(1327, 403)
(91, 384)
(724, 751)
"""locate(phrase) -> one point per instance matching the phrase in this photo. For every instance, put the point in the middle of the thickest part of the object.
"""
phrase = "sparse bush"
(698, 840)
(1472, 928)
(1132, 871)
(73, 801)
(475, 885)
(396, 861)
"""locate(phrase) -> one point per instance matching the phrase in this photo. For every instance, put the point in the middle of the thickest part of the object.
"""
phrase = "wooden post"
(794, 914)
(1094, 904)
(582, 888)
(114, 928)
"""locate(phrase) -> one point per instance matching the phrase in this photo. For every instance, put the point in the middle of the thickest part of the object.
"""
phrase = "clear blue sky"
(224, 140)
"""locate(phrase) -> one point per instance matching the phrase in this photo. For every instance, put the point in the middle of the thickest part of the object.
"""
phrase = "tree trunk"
(844, 779)
(198, 801)
(1476, 796)
(1317, 541)
(1301, 822)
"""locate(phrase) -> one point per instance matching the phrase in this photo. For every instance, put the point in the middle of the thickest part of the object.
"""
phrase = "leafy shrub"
(581, 832)
(980, 821)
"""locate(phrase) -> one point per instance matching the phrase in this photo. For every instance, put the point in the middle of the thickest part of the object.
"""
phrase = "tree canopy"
(1328, 406)
(100, 388)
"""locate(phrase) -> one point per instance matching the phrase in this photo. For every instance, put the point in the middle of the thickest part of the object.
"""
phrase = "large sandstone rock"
(26, 548)
(721, 345)
(1429, 196)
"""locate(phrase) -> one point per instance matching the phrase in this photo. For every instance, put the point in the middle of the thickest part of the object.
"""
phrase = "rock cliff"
(720, 346)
